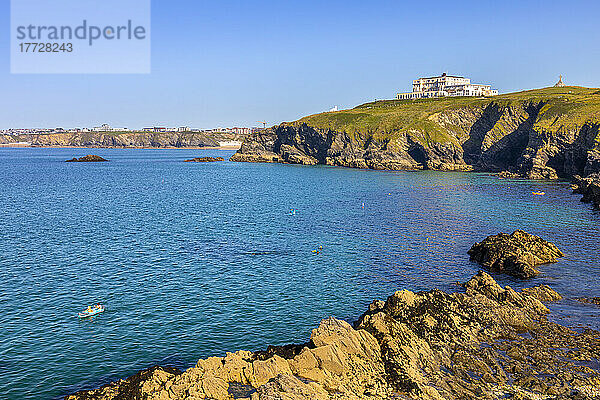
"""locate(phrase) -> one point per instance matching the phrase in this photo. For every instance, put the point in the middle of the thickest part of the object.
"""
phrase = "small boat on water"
(91, 311)
(538, 193)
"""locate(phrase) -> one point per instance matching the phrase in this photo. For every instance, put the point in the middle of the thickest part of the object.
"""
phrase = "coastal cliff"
(123, 139)
(542, 134)
(482, 342)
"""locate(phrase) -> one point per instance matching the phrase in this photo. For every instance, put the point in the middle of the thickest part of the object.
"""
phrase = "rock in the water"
(515, 254)
(508, 175)
(589, 187)
(590, 300)
(88, 158)
(488, 342)
(206, 159)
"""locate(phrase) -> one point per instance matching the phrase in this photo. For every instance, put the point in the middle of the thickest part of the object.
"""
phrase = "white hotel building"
(446, 85)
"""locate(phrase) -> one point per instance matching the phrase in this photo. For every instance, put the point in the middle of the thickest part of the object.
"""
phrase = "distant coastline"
(137, 140)
(29, 145)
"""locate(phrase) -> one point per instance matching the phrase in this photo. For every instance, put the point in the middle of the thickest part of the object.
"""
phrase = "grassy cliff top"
(566, 106)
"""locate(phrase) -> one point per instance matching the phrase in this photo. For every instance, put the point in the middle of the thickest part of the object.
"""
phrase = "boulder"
(516, 254)
(88, 158)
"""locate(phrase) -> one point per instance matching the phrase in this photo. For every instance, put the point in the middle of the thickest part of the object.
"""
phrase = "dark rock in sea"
(589, 187)
(590, 300)
(88, 158)
(206, 159)
(508, 175)
(487, 342)
(516, 254)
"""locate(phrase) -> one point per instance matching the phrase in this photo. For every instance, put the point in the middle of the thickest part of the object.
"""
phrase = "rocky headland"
(88, 158)
(516, 254)
(589, 187)
(484, 342)
(541, 134)
(124, 139)
(206, 159)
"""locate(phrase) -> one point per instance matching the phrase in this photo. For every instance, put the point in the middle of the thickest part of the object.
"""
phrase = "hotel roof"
(443, 75)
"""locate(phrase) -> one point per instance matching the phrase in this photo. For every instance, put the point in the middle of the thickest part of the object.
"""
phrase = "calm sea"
(195, 259)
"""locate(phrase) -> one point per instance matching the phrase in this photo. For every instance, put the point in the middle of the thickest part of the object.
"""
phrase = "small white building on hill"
(446, 85)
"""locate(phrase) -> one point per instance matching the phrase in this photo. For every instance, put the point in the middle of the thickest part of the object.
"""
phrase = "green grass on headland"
(562, 107)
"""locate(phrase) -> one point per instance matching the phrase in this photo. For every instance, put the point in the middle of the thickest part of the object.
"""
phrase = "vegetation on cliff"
(561, 107)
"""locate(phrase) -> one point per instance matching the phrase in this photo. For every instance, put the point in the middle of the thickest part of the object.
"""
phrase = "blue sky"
(233, 63)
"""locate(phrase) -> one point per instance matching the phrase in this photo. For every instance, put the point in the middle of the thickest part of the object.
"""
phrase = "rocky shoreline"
(484, 341)
(589, 187)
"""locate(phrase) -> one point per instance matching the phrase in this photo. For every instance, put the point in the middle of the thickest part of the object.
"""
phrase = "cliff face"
(547, 133)
(124, 139)
(486, 342)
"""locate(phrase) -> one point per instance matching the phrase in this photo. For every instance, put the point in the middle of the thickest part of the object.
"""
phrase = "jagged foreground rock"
(486, 342)
(539, 134)
(517, 254)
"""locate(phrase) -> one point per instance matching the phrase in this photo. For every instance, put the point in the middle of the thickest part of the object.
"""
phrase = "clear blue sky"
(232, 63)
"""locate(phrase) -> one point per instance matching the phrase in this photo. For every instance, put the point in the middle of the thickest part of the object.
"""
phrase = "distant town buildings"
(237, 131)
(31, 131)
(108, 128)
(446, 85)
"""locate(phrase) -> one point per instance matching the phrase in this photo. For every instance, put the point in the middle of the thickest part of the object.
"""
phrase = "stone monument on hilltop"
(560, 82)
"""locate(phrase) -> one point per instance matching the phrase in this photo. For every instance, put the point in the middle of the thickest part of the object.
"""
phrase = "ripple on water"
(193, 261)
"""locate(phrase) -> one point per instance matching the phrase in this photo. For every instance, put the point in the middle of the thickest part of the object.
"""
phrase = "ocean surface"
(195, 259)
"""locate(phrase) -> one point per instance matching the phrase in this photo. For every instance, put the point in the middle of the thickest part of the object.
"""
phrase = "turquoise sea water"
(195, 259)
